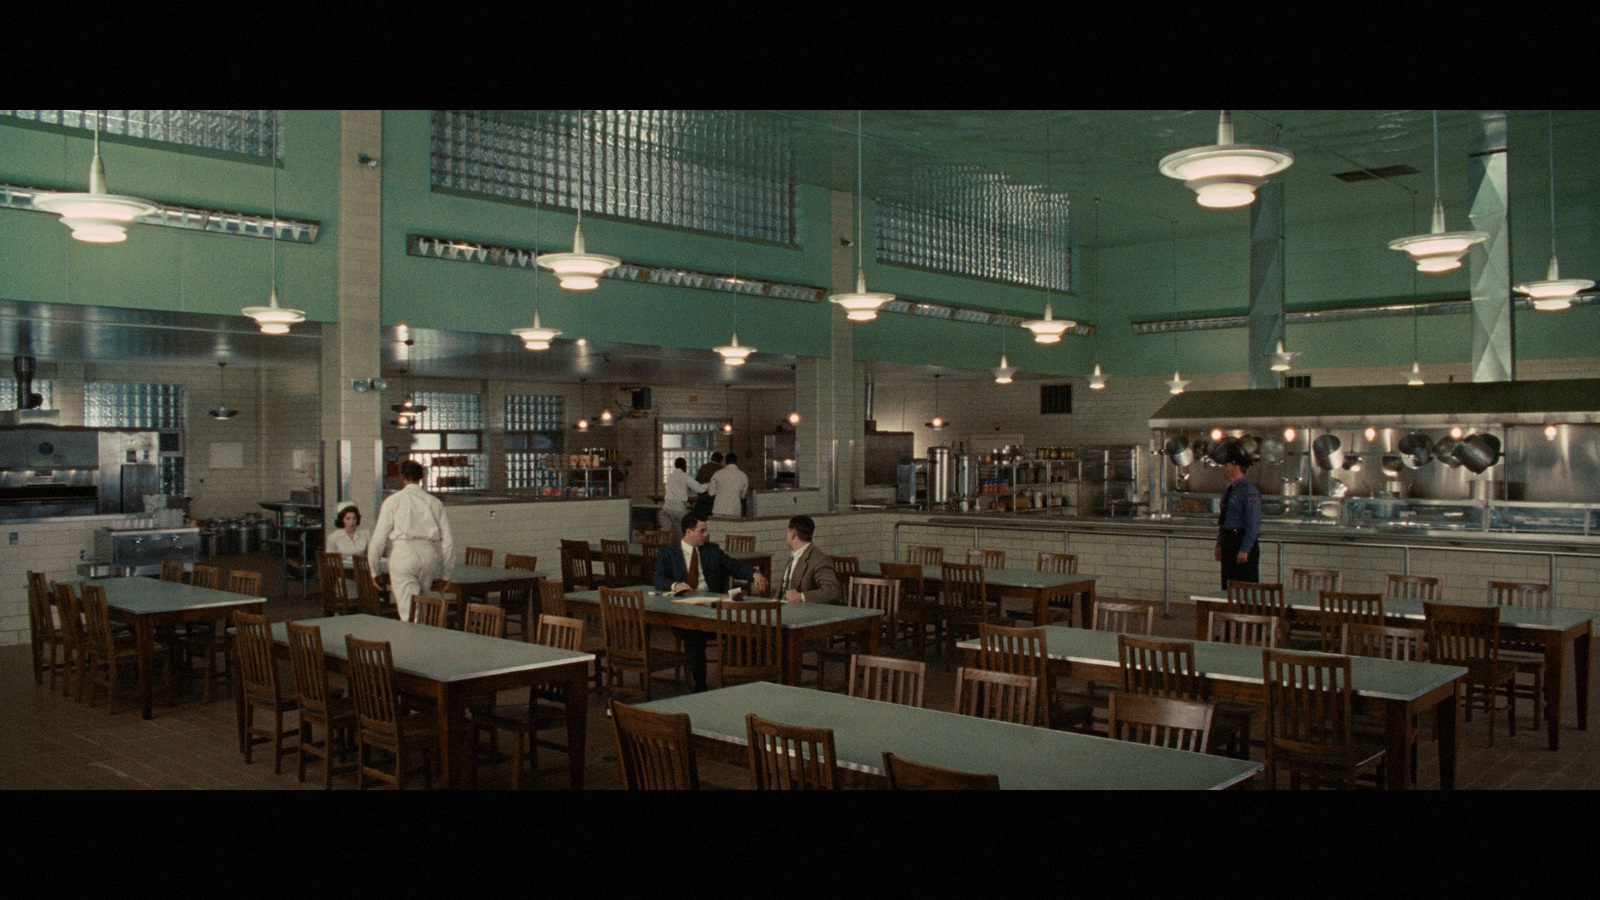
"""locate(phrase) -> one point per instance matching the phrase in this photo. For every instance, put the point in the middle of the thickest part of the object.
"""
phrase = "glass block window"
(246, 131)
(449, 412)
(693, 440)
(722, 171)
(454, 471)
(116, 404)
(8, 393)
(172, 475)
(530, 412)
(980, 227)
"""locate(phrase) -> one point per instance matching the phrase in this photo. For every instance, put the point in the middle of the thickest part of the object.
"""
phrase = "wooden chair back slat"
(888, 679)
(790, 757)
(1161, 721)
(655, 751)
(1000, 696)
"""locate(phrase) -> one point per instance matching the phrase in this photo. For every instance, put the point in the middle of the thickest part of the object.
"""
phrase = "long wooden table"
(802, 622)
(1039, 588)
(1023, 756)
(1552, 629)
(1397, 691)
(450, 666)
(467, 582)
(143, 604)
(644, 563)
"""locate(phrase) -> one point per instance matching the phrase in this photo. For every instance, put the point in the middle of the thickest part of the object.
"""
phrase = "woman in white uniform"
(348, 538)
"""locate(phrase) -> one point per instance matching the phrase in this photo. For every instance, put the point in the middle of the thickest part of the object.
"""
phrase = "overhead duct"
(1570, 401)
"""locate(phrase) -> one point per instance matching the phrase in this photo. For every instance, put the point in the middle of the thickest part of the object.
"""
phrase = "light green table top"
(438, 654)
(795, 615)
(462, 574)
(1020, 578)
(148, 596)
(1381, 679)
(1556, 619)
(1023, 756)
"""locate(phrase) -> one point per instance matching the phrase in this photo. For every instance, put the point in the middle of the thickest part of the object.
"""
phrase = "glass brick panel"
(246, 131)
(449, 412)
(981, 227)
(116, 404)
(8, 393)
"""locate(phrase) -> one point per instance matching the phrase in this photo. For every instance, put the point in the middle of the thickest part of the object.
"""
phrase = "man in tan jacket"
(809, 576)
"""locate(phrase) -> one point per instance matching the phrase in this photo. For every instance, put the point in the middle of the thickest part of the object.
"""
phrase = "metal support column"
(1493, 336)
(1266, 283)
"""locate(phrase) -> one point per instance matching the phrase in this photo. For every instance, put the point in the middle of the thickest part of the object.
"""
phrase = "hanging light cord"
(859, 182)
(274, 242)
(1552, 148)
(1096, 275)
(1436, 157)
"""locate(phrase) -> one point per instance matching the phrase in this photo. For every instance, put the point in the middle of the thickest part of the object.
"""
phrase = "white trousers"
(672, 519)
(413, 566)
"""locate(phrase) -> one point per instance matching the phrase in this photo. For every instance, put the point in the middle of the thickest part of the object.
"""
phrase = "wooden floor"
(51, 743)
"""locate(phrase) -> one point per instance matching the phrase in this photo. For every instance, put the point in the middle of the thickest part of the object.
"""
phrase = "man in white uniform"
(676, 502)
(414, 521)
(728, 487)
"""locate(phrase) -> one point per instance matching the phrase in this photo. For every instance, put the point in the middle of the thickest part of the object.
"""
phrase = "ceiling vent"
(1373, 174)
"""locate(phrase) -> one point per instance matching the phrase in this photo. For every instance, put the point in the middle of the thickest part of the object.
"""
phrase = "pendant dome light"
(583, 402)
(1438, 250)
(1414, 377)
(537, 337)
(272, 318)
(1002, 374)
(1554, 293)
(1282, 359)
(734, 354)
(794, 411)
(938, 423)
(1225, 175)
(95, 217)
(860, 305)
(222, 411)
(579, 270)
(1049, 329)
(407, 411)
(727, 406)
(1177, 384)
(1097, 381)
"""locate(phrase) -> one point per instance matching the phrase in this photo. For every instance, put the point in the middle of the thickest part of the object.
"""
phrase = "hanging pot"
(1416, 450)
(1251, 446)
(1393, 465)
(1272, 450)
(1479, 453)
(1445, 452)
(1217, 451)
(1177, 450)
(1325, 450)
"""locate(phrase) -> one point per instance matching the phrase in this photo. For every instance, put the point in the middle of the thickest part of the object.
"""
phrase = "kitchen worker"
(676, 502)
(1240, 523)
(414, 521)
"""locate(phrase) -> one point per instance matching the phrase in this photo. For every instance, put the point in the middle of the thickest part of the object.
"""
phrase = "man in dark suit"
(697, 564)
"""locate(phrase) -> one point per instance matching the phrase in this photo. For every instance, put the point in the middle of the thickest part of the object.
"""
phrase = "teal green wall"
(169, 268)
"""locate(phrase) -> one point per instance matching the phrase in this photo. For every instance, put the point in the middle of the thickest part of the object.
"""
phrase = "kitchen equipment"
(1445, 452)
(1479, 452)
(1325, 451)
(142, 550)
(1251, 445)
(1272, 450)
(1217, 451)
(1177, 449)
(1416, 450)
(1393, 465)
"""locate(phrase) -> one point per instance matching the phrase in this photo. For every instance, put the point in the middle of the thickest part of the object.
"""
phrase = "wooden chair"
(1000, 696)
(790, 757)
(553, 602)
(1243, 629)
(882, 594)
(1022, 651)
(1527, 657)
(212, 641)
(925, 556)
(478, 556)
(1411, 587)
(381, 722)
(263, 692)
(334, 713)
(916, 613)
(515, 601)
(905, 775)
(627, 641)
(1125, 618)
(331, 584)
(739, 543)
(964, 602)
(1470, 636)
(577, 572)
(749, 641)
(1059, 564)
(1309, 729)
(172, 570)
(1161, 668)
(368, 598)
(989, 559)
(206, 577)
(1161, 721)
(49, 645)
(653, 542)
(618, 563)
(1338, 609)
(1257, 599)
(846, 567)
(1316, 580)
(655, 751)
(430, 610)
(526, 720)
(484, 619)
(1382, 642)
(74, 646)
(887, 679)
(107, 654)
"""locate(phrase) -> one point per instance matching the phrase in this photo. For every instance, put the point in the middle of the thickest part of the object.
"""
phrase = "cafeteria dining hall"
(556, 450)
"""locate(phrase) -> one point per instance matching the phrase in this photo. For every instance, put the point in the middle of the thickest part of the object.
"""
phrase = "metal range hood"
(1564, 401)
